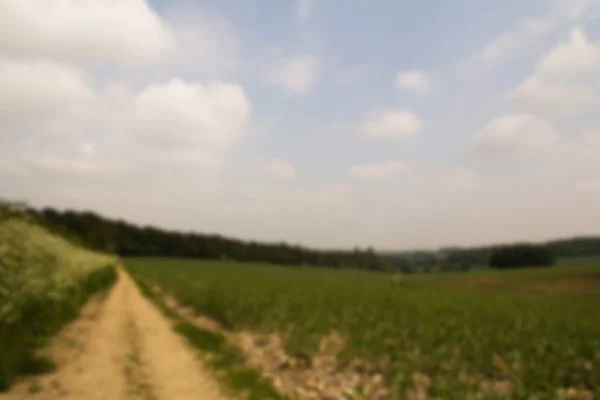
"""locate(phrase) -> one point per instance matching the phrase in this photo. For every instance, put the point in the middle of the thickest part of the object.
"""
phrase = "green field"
(536, 330)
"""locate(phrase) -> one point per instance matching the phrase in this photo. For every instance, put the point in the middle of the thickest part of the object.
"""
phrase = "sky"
(326, 123)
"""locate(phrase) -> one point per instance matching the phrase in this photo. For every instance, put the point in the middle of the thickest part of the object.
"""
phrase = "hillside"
(45, 279)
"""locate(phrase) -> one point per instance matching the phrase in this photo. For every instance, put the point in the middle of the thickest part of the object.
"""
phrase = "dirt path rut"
(121, 349)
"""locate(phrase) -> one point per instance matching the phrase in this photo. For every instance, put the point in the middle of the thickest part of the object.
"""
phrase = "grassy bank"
(44, 280)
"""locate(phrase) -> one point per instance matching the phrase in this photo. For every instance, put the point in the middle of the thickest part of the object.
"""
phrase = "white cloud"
(529, 30)
(10, 167)
(331, 194)
(76, 132)
(205, 43)
(349, 76)
(173, 123)
(183, 115)
(105, 31)
(583, 148)
(514, 133)
(88, 148)
(249, 208)
(305, 8)
(378, 124)
(297, 74)
(563, 90)
(414, 81)
(279, 169)
(576, 156)
(575, 57)
(64, 161)
(459, 180)
(566, 80)
(588, 186)
(190, 123)
(380, 170)
(41, 93)
(524, 34)
(387, 123)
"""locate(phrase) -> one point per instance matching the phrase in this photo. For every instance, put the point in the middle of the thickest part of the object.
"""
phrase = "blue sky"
(404, 124)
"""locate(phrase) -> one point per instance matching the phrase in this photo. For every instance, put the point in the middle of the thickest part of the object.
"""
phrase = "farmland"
(531, 333)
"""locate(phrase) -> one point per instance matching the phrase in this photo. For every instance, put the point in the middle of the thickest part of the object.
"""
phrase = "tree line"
(497, 256)
(522, 255)
(126, 239)
(560, 248)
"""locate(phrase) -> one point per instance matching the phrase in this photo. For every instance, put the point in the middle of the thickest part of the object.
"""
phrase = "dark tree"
(522, 255)
(125, 239)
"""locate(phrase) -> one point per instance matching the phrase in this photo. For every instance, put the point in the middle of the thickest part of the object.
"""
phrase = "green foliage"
(33, 364)
(125, 239)
(230, 360)
(43, 282)
(203, 340)
(461, 259)
(462, 340)
(523, 255)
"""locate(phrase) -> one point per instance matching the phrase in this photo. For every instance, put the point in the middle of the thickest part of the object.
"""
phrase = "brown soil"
(321, 378)
(122, 348)
(571, 286)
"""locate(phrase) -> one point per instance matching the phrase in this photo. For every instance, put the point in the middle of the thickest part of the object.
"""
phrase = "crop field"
(43, 282)
(533, 334)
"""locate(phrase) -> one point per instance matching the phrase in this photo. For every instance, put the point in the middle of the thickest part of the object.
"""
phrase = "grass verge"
(21, 339)
(226, 360)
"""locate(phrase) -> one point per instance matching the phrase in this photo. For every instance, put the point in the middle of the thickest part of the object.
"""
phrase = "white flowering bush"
(43, 281)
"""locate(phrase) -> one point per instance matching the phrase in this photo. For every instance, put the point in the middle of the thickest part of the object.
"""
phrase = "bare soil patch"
(323, 377)
(574, 286)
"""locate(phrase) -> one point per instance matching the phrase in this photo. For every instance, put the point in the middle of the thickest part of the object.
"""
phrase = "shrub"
(522, 255)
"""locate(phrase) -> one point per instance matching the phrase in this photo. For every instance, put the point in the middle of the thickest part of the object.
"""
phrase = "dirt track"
(122, 348)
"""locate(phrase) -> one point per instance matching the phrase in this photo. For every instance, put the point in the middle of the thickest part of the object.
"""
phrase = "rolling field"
(533, 333)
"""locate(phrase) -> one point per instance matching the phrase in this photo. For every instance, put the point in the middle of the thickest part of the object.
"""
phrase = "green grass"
(570, 277)
(20, 339)
(229, 359)
(447, 326)
(44, 281)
